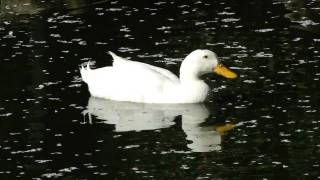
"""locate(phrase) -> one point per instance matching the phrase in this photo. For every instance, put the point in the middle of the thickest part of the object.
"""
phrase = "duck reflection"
(128, 116)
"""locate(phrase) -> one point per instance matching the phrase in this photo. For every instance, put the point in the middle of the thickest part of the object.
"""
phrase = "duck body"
(134, 81)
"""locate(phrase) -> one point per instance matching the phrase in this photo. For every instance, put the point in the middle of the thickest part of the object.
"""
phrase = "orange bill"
(224, 128)
(225, 72)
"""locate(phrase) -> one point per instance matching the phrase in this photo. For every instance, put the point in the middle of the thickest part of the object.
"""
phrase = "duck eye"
(205, 56)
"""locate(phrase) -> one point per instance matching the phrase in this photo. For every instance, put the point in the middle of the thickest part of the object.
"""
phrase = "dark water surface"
(263, 125)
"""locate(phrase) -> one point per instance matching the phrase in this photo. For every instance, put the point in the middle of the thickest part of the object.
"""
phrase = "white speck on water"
(264, 30)
(6, 114)
(52, 175)
(285, 141)
(249, 81)
(70, 169)
(131, 146)
(42, 161)
(230, 20)
(263, 55)
(82, 43)
(27, 151)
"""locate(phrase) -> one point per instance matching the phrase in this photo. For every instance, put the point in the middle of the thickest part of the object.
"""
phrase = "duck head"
(201, 62)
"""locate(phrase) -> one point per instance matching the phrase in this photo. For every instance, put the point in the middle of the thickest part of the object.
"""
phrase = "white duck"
(139, 82)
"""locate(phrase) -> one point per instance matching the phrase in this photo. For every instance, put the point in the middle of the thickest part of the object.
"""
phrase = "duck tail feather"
(84, 72)
(115, 58)
(112, 54)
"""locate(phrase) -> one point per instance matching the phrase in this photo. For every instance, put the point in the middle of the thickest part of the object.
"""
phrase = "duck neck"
(189, 79)
(189, 71)
(188, 76)
(192, 89)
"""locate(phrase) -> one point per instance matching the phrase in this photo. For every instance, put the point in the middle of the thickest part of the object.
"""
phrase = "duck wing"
(147, 69)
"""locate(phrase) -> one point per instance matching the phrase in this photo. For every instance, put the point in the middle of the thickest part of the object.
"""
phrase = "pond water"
(263, 125)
